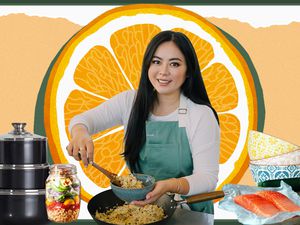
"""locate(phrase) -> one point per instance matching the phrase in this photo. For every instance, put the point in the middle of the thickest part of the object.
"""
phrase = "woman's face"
(167, 71)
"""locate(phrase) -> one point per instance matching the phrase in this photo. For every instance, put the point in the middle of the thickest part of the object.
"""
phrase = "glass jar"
(62, 193)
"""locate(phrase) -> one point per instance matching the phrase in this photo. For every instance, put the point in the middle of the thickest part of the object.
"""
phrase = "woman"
(172, 131)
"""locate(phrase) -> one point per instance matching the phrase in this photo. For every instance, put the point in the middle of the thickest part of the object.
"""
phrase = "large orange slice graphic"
(105, 57)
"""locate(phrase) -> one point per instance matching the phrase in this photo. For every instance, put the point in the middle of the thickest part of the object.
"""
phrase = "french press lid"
(20, 134)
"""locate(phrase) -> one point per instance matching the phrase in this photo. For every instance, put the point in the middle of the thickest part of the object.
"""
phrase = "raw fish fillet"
(257, 205)
(279, 200)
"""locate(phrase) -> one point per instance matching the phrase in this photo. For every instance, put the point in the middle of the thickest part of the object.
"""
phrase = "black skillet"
(107, 200)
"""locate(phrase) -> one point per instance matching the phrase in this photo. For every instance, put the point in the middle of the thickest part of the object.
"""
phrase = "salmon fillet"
(279, 200)
(256, 204)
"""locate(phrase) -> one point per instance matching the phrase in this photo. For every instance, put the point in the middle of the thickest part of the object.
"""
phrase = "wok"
(107, 200)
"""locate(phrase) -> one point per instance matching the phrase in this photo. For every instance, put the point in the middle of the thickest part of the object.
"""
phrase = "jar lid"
(20, 134)
(63, 169)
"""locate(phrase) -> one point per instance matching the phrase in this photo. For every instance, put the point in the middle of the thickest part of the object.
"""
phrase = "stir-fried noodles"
(130, 181)
(132, 214)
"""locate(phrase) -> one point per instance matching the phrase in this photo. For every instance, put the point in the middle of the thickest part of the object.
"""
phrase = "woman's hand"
(82, 143)
(174, 185)
(161, 187)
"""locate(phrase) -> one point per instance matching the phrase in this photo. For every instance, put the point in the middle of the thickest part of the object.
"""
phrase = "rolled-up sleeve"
(112, 112)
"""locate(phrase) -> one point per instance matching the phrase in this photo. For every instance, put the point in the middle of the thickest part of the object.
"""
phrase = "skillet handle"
(205, 197)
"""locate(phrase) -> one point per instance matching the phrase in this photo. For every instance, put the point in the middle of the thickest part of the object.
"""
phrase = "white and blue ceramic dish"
(263, 173)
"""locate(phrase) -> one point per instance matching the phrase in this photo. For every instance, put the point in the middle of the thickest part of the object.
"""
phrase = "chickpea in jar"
(62, 193)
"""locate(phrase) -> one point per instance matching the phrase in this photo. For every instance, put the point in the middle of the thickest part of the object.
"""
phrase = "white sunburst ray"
(73, 86)
(143, 18)
(86, 182)
(239, 112)
(105, 41)
(210, 63)
(62, 96)
(111, 132)
(109, 48)
(89, 92)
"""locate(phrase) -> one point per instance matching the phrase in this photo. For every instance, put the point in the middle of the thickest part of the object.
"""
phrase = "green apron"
(166, 153)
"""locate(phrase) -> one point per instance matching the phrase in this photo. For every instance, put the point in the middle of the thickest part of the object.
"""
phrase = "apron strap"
(182, 111)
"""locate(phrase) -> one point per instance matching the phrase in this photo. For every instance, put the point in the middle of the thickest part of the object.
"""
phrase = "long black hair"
(193, 88)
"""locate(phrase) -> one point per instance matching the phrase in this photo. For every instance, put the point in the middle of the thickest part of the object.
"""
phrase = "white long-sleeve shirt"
(202, 129)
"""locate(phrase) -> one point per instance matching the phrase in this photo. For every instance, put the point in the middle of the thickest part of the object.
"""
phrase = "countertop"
(186, 217)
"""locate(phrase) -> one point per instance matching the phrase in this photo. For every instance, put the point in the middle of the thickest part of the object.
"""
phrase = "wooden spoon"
(110, 175)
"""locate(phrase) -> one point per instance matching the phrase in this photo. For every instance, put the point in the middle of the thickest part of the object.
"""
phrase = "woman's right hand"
(81, 143)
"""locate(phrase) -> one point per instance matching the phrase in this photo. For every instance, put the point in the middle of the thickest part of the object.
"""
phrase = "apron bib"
(166, 153)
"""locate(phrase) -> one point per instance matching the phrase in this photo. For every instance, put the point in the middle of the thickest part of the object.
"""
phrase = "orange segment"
(220, 87)
(99, 73)
(78, 102)
(204, 50)
(230, 131)
(222, 93)
(129, 45)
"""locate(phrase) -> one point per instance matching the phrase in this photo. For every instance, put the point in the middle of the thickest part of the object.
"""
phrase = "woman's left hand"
(161, 187)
